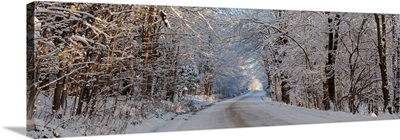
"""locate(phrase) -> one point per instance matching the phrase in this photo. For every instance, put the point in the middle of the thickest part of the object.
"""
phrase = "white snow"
(248, 110)
(129, 117)
(252, 109)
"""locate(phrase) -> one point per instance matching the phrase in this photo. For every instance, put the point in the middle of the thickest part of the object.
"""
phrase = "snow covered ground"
(200, 113)
(128, 113)
(249, 110)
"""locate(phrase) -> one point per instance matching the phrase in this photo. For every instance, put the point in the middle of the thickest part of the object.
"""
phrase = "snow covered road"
(249, 110)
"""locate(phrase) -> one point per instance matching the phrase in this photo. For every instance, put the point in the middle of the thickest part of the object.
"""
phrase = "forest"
(94, 68)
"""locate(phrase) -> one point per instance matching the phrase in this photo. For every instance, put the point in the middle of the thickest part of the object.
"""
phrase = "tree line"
(329, 60)
(92, 60)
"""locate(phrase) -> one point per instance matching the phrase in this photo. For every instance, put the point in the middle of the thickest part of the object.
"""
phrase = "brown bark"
(108, 69)
(329, 84)
(60, 84)
(85, 88)
(381, 34)
(91, 102)
(94, 92)
(268, 65)
(60, 93)
(63, 100)
(64, 94)
(147, 41)
(285, 89)
(121, 71)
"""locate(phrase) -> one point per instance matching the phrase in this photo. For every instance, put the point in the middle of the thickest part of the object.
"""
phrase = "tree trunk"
(65, 86)
(60, 84)
(85, 88)
(329, 84)
(395, 66)
(208, 86)
(147, 41)
(285, 88)
(268, 65)
(283, 40)
(276, 86)
(108, 70)
(32, 65)
(381, 34)
(63, 100)
(92, 98)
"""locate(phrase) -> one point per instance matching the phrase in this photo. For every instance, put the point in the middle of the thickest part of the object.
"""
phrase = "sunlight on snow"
(255, 85)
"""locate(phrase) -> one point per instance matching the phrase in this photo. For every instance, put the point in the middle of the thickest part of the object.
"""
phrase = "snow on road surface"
(249, 110)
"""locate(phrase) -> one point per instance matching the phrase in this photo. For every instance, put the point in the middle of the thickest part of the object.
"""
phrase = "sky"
(13, 62)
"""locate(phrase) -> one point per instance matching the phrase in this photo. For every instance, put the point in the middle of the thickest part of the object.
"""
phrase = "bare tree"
(333, 39)
(382, 45)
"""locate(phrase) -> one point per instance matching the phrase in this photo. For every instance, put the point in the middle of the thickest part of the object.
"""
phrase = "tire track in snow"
(233, 113)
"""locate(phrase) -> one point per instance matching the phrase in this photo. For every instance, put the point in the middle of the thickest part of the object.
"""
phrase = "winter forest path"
(251, 110)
